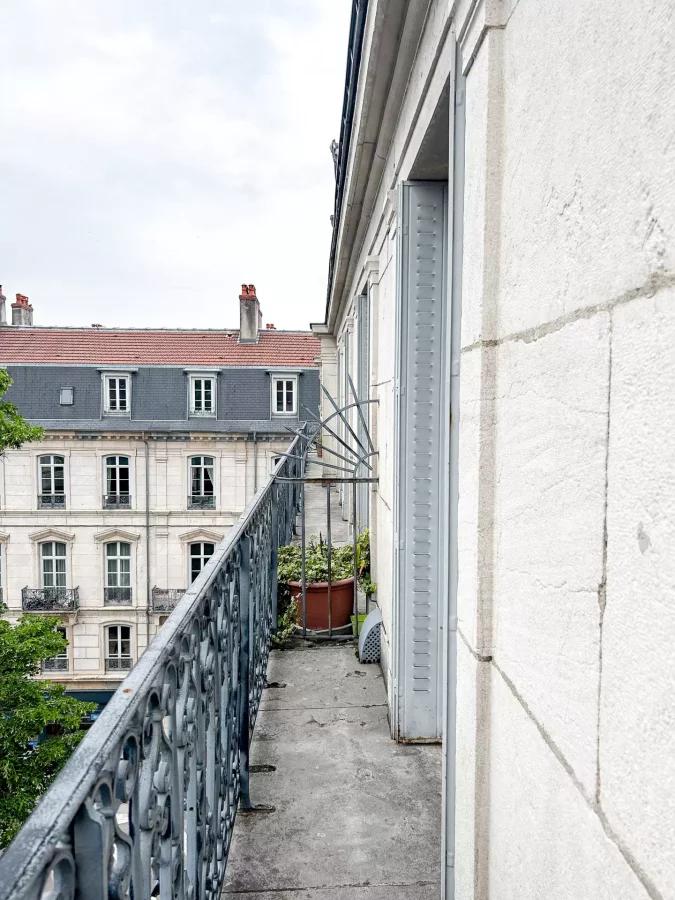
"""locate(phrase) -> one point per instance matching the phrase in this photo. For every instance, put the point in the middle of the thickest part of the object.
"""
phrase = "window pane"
(112, 641)
(280, 396)
(58, 480)
(208, 481)
(126, 647)
(289, 396)
(111, 481)
(47, 549)
(195, 549)
(47, 573)
(123, 480)
(60, 573)
(125, 549)
(125, 573)
(196, 480)
(207, 395)
(46, 480)
(58, 460)
(123, 460)
(122, 392)
(111, 549)
(112, 393)
(60, 549)
(126, 632)
(208, 550)
(112, 573)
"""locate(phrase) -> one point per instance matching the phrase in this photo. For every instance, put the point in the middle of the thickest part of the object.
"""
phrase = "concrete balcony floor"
(356, 815)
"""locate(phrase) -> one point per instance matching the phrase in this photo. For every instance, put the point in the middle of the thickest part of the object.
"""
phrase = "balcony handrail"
(49, 598)
(165, 599)
(172, 744)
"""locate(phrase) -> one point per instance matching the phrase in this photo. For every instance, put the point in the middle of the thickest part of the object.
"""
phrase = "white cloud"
(156, 155)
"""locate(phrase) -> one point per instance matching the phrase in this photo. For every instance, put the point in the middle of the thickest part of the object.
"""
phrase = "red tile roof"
(102, 346)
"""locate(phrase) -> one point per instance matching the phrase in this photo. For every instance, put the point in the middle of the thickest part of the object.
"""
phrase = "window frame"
(107, 645)
(202, 376)
(201, 496)
(51, 467)
(286, 378)
(53, 542)
(63, 392)
(201, 556)
(118, 557)
(52, 670)
(106, 378)
(116, 468)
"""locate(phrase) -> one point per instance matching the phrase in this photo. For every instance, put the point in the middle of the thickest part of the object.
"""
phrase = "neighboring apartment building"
(154, 443)
(502, 282)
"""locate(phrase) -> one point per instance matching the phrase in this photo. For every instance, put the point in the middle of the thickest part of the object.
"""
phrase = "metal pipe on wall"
(458, 123)
(255, 462)
(148, 590)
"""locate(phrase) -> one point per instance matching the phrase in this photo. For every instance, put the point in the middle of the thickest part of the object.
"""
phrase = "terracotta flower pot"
(342, 602)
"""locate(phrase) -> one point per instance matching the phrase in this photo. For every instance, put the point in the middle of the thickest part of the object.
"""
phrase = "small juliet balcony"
(197, 501)
(51, 501)
(50, 599)
(56, 665)
(117, 596)
(117, 501)
(164, 600)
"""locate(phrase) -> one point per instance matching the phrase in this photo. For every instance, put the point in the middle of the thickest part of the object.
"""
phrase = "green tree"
(14, 430)
(27, 707)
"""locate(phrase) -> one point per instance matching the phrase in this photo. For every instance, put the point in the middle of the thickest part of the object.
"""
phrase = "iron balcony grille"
(165, 599)
(51, 501)
(49, 599)
(197, 502)
(55, 664)
(116, 596)
(117, 501)
(118, 663)
(189, 705)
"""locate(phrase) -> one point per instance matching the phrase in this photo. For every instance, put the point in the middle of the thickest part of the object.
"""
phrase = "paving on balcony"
(356, 816)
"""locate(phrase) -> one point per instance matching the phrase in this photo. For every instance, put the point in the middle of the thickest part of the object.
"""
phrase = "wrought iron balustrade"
(116, 596)
(55, 664)
(51, 501)
(165, 599)
(117, 501)
(146, 804)
(118, 663)
(196, 501)
(49, 599)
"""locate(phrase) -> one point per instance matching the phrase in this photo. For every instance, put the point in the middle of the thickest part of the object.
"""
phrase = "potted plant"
(316, 574)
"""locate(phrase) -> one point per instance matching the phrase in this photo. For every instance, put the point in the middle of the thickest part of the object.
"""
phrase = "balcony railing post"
(274, 555)
(244, 671)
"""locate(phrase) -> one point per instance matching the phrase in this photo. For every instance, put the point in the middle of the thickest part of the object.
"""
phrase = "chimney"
(250, 317)
(271, 327)
(22, 311)
(3, 309)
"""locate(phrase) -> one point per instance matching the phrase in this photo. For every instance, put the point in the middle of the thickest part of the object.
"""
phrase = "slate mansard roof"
(43, 360)
(112, 346)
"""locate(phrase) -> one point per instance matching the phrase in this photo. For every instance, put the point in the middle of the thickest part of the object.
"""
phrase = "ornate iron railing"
(55, 664)
(165, 599)
(51, 501)
(116, 596)
(50, 599)
(146, 804)
(117, 501)
(196, 501)
(118, 663)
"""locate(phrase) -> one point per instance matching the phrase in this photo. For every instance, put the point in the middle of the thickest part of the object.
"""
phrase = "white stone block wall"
(85, 527)
(565, 765)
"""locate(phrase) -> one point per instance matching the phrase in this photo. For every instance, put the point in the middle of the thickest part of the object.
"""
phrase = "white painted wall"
(86, 525)
(566, 675)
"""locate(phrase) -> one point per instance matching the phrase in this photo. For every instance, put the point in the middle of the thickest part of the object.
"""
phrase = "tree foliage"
(14, 430)
(27, 707)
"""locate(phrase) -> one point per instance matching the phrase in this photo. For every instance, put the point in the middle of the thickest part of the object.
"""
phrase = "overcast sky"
(155, 154)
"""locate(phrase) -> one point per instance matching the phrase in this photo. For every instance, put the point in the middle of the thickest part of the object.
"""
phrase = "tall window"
(53, 565)
(116, 394)
(58, 663)
(118, 650)
(202, 494)
(202, 396)
(118, 573)
(284, 396)
(200, 554)
(52, 489)
(117, 493)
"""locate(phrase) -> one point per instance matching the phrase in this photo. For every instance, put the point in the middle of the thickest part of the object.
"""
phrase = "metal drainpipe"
(255, 462)
(148, 597)
(450, 712)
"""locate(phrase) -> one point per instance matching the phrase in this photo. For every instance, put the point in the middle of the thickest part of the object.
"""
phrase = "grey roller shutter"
(420, 456)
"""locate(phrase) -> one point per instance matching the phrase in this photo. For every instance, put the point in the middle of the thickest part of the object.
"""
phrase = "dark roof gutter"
(356, 31)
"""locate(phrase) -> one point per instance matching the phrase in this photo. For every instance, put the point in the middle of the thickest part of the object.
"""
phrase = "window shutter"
(420, 453)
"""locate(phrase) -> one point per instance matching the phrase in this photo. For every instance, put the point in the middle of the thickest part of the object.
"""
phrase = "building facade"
(502, 282)
(154, 443)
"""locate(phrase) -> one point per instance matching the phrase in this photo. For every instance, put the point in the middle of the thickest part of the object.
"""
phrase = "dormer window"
(202, 394)
(284, 395)
(117, 394)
